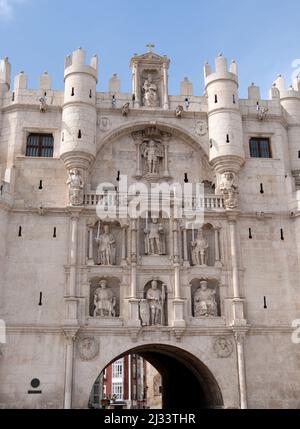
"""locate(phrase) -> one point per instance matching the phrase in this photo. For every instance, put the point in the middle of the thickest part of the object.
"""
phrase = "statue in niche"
(150, 98)
(199, 249)
(205, 303)
(152, 152)
(155, 243)
(104, 301)
(76, 184)
(156, 300)
(229, 189)
(106, 247)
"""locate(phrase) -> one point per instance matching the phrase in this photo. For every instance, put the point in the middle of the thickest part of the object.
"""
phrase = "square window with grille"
(260, 147)
(40, 145)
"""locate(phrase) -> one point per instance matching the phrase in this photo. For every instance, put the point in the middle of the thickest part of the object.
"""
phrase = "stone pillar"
(234, 258)
(175, 241)
(171, 238)
(185, 247)
(166, 168)
(69, 364)
(240, 339)
(123, 256)
(133, 257)
(237, 302)
(138, 159)
(217, 248)
(165, 87)
(91, 242)
(73, 253)
(136, 90)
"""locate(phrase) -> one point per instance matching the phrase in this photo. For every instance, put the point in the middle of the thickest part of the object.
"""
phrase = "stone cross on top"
(150, 47)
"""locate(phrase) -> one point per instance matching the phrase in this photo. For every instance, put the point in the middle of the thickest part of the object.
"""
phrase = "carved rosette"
(88, 348)
(223, 347)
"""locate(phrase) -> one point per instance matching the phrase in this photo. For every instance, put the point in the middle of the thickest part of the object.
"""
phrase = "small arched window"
(40, 145)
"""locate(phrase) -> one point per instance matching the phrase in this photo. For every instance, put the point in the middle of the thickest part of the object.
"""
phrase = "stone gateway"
(83, 282)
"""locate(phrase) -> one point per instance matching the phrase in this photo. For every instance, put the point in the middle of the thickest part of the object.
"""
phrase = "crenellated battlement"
(76, 63)
(222, 71)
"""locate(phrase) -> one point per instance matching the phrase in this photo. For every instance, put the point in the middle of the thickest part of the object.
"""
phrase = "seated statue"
(205, 301)
(104, 301)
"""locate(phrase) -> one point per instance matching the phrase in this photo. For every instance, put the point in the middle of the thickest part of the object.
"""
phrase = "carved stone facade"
(87, 288)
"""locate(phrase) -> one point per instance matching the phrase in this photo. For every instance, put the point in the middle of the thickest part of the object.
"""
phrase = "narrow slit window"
(90, 95)
(227, 138)
(41, 299)
(265, 303)
(20, 231)
(262, 191)
(79, 134)
(233, 99)
(41, 185)
(186, 179)
(216, 98)
(54, 232)
(281, 234)
(250, 234)
(72, 92)
(13, 97)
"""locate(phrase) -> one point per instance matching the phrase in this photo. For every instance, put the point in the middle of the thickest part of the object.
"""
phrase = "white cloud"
(7, 8)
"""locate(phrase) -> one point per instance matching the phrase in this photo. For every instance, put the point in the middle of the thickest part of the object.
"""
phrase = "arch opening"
(183, 381)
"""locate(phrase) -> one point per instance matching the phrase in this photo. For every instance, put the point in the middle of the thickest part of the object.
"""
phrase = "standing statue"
(205, 301)
(156, 299)
(179, 111)
(151, 154)
(150, 93)
(104, 301)
(106, 247)
(75, 183)
(155, 238)
(229, 189)
(200, 250)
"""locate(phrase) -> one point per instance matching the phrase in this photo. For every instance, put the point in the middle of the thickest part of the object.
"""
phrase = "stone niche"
(104, 243)
(153, 308)
(202, 251)
(104, 297)
(205, 298)
(148, 231)
(150, 80)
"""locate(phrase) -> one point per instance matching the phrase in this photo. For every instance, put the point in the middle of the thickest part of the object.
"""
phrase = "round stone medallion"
(88, 348)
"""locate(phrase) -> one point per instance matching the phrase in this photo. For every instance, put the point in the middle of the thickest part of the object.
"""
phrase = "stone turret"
(225, 121)
(79, 118)
(290, 101)
(5, 72)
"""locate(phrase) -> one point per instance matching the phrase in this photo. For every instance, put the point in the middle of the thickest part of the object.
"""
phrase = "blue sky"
(262, 35)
